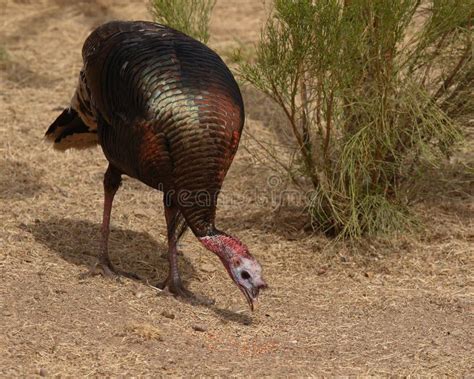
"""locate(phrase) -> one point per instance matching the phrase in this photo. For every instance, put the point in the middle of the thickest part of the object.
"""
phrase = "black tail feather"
(69, 131)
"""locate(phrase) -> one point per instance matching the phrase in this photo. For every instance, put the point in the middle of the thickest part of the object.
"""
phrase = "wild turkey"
(167, 111)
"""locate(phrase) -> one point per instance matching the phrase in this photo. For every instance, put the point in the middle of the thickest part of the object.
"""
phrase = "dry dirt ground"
(401, 306)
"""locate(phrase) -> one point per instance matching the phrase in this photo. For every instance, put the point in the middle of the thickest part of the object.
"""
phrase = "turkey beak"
(249, 297)
(252, 291)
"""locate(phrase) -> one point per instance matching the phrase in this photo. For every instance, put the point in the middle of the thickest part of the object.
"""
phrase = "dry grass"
(403, 306)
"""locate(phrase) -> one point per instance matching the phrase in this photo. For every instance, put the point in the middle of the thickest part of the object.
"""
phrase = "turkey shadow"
(78, 242)
(228, 315)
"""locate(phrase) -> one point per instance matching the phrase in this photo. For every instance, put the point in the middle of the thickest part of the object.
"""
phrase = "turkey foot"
(175, 287)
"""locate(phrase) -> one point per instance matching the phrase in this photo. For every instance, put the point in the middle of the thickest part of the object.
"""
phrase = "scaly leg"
(112, 181)
(173, 281)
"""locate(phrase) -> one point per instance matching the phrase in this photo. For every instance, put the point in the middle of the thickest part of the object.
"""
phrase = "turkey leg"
(112, 181)
(173, 281)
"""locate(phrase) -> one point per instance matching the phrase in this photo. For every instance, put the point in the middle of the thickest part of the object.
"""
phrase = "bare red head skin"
(242, 267)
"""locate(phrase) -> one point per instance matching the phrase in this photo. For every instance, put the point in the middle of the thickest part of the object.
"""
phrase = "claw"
(175, 287)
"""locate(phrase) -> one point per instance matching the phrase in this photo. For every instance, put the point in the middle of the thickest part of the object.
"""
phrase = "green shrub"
(369, 89)
(188, 16)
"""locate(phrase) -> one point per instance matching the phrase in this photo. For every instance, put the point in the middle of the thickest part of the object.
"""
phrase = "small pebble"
(199, 328)
(169, 315)
(138, 294)
(322, 271)
(42, 372)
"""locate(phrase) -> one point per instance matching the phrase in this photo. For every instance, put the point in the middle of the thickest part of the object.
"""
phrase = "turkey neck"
(225, 246)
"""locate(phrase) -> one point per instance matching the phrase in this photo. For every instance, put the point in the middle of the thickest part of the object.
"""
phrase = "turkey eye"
(245, 275)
